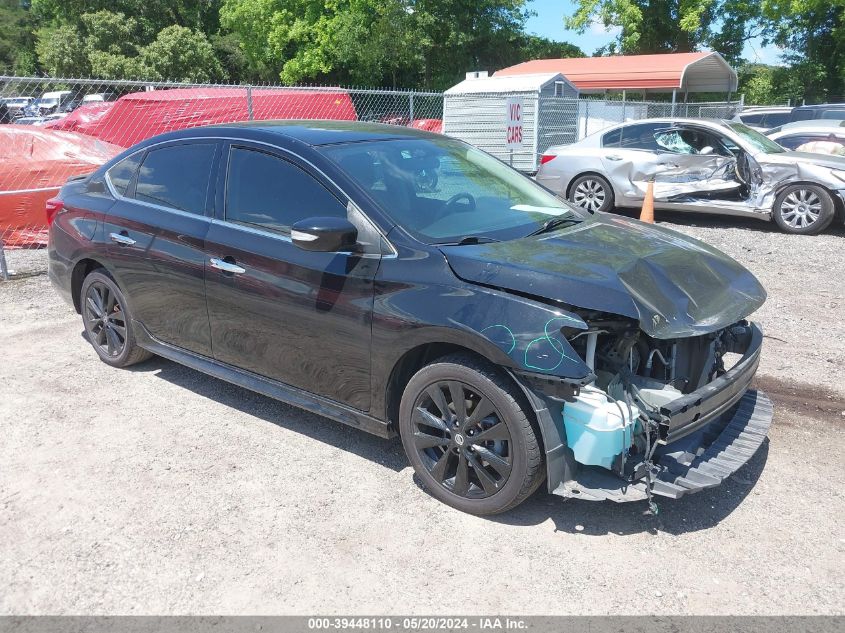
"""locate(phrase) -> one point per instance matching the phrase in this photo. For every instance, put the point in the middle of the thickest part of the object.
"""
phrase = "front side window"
(267, 191)
(444, 191)
(690, 141)
(177, 176)
(121, 174)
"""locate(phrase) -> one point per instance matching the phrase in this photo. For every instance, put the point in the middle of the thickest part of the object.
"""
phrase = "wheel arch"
(410, 363)
(544, 413)
(838, 203)
(81, 270)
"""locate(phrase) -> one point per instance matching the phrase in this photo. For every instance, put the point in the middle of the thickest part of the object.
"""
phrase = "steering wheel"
(463, 195)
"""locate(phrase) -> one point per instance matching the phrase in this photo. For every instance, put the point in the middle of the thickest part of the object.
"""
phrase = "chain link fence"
(64, 127)
(68, 127)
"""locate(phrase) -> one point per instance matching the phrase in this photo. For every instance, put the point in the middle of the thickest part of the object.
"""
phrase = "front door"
(300, 317)
(693, 162)
(155, 235)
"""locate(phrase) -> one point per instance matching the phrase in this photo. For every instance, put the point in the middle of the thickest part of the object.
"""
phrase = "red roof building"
(668, 72)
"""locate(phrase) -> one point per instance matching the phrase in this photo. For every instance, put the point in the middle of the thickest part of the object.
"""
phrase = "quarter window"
(121, 174)
(273, 193)
(177, 176)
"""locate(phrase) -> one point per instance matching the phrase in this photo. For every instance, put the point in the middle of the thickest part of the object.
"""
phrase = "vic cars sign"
(513, 123)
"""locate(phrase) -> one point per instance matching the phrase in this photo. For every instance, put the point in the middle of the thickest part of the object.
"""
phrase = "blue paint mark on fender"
(506, 339)
(547, 348)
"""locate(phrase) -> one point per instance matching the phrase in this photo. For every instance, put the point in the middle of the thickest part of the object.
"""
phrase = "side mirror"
(706, 150)
(326, 235)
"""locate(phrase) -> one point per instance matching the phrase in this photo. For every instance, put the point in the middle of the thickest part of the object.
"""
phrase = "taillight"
(545, 158)
(54, 205)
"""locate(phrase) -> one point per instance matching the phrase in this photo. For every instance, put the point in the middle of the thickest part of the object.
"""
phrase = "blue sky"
(549, 23)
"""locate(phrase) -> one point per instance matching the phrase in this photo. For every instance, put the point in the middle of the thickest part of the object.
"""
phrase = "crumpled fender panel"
(510, 330)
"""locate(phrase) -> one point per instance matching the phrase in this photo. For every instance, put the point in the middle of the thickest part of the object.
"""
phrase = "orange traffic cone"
(647, 214)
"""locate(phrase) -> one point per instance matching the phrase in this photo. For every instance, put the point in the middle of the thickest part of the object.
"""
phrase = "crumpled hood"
(674, 285)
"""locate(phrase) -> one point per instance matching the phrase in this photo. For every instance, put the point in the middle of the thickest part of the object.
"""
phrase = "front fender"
(508, 330)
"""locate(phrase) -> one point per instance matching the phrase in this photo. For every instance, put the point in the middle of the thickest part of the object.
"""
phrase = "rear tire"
(803, 209)
(470, 441)
(108, 321)
(592, 192)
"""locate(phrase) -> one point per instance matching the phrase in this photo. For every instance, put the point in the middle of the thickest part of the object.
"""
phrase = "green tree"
(151, 15)
(764, 84)
(61, 51)
(662, 26)
(536, 47)
(17, 39)
(812, 32)
(181, 54)
(428, 42)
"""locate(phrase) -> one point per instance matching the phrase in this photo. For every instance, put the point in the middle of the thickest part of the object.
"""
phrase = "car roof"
(329, 132)
(824, 106)
(765, 110)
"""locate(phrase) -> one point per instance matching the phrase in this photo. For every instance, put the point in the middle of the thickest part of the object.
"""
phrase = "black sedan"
(506, 336)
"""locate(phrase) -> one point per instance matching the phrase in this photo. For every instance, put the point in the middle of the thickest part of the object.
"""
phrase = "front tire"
(592, 192)
(108, 322)
(803, 209)
(469, 439)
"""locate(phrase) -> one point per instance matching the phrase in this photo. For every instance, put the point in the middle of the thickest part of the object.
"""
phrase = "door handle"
(614, 157)
(123, 240)
(226, 267)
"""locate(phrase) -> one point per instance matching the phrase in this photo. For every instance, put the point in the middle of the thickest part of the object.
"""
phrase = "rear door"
(299, 317)
(155, 234)
(631, 157)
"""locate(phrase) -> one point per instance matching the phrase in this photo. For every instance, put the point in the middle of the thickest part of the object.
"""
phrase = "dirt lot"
(160, 490)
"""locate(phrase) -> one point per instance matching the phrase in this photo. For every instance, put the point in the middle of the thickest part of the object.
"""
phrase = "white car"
(824, 136)
(703, 165)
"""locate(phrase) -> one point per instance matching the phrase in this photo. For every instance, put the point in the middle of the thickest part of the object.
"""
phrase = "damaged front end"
(659, 416)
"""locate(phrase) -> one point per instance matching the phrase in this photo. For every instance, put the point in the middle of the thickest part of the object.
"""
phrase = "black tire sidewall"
(825, 217)
(609, 198)
(441, 371)
(100, 276)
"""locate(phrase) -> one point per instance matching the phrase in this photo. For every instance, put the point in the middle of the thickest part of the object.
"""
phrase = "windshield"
(443, 191)
(755, 139)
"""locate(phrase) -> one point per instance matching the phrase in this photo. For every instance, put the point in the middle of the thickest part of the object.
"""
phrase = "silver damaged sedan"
(703, 165)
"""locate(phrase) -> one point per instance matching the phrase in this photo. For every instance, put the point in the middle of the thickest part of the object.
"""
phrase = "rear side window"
(612, 139)
(837, 115)
(176, 176)
(774, 119)
(796, 142)
(268, 191)
(637, 136)
(121, 174)
(751, 119)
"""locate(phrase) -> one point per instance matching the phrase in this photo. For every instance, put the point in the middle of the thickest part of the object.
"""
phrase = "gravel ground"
(161, 490)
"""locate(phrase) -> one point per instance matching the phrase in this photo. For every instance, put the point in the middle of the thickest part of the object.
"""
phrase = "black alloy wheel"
(108, 321)
(462, 440)
(470, 435)
(104, 320)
